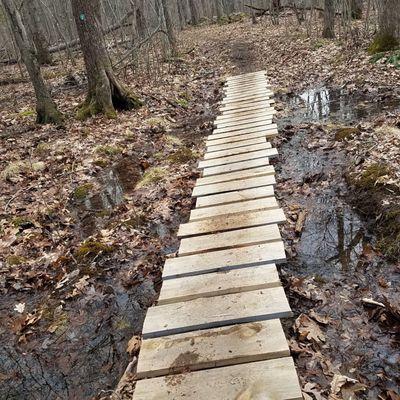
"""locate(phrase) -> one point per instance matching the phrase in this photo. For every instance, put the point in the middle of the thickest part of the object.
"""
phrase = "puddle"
(337, 105)
(114, 183)
(334, 243)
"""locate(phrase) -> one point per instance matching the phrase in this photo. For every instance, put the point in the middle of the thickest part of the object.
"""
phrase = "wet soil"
(331, 263)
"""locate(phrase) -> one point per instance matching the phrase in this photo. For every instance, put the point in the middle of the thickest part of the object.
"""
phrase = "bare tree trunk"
(38, 37)
(356, 9)
(105, 92)
(389, 27)
(46, 109)
(194, 12)
(170, 27)
(329, 20)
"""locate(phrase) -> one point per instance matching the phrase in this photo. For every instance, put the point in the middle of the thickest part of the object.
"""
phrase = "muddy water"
(334, 249)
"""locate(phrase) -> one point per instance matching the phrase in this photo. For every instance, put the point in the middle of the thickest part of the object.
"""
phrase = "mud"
(333, 254)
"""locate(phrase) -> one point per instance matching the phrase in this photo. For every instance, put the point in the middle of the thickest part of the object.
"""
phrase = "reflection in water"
(114, 183)
(322, 103)
(333, 236)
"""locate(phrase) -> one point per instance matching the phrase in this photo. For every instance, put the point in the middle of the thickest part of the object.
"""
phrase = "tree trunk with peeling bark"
(46, 109)
(105, 93)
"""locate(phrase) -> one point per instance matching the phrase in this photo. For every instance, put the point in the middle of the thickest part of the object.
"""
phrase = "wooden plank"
(243, 125)
(258, 162)
(244, 121)
(230, 239)
(236, 144)
(246, 81)
(236, 101)
(247, 110)
(261, 380)
(246, 105)
(270, 131)
(246, 75)
(244, 115)
(229, 110)
(214, 312)
(244, 128)
(232, 186)
(219, 283)
(211, 348)
(242, 208)
(237, 150)
(237, 175)
(221, 260)
(236, 196)
(245, 87)
(240, 157)
(247, 93)
(226, 221)
(238, 138)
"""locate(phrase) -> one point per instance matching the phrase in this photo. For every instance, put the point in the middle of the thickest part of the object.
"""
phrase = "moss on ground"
(346, 133)
(81, 192)
(92, 248)
(14, 260)
(152, 175)
(382, 43)
(108, 150)
(377, 201)
(182, 156)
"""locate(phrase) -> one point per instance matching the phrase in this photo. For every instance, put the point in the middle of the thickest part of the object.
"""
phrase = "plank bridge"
(215, 333)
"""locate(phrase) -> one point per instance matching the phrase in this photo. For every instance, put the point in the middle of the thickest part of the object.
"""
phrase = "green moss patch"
(108, 150)
(83, 191)
(151, 176)
(346, 133)
(92, 248)
(182, 156)
(14, 260)
(383, 43)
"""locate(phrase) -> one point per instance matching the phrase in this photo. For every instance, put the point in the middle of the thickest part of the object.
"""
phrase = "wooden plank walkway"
(215, 333)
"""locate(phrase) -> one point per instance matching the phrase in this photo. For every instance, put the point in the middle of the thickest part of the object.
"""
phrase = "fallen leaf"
(133, 345)
(308, 329)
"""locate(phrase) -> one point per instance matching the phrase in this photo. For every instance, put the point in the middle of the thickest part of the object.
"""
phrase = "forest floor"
(89, 212)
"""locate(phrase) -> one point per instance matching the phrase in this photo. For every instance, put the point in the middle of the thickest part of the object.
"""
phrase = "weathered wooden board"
(261, 380)
(219, 283)
(232, 186)
(246, 75)
(246, 105)
(255, 80)
(258, 162)
(244, 121)
(250, 106)
(239, 157)
(246, 110)
(242, 257)
(229, 221)
(248, 128)
(236, 196)
(234, 176)
(270, 131)
(235, 144)
(232, 139)
(243, 208)
(247, 93)
(214, 312)
(238, 150)
(230, 118)
(230, 239)
(240, 100)
(246, 87)
(210, 348)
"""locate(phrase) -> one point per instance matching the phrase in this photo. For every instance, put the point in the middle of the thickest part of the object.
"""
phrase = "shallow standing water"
(334, 247)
